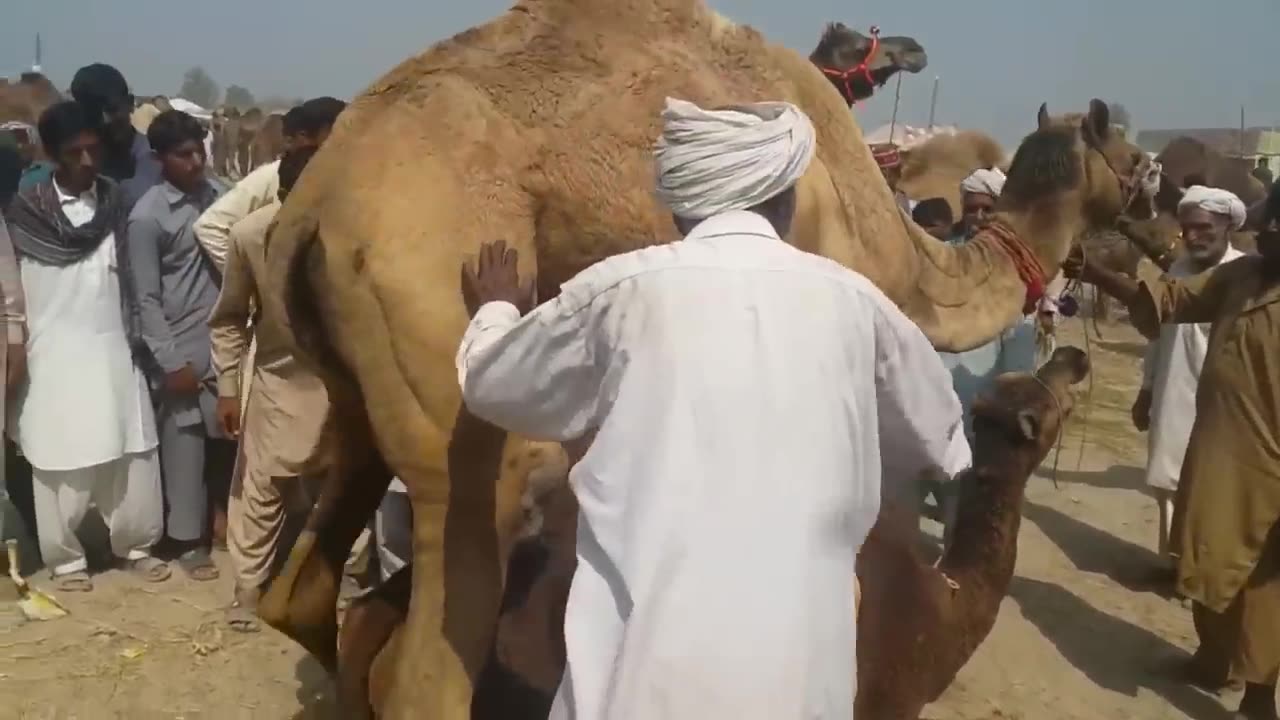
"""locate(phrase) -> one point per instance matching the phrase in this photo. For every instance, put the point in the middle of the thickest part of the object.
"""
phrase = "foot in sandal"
(242, 615)
(77, 581)
(198, 566)
(149, 569)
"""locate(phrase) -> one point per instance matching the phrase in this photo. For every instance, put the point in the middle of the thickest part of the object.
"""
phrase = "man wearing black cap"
(128, 159)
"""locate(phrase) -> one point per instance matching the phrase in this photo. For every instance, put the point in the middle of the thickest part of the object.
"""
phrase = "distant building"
(1259, 143)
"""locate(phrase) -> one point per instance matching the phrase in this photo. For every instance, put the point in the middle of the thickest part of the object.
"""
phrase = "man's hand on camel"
(1075, 267)
(494, 277)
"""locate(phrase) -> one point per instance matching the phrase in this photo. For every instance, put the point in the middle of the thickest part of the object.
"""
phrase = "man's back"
(735, 472)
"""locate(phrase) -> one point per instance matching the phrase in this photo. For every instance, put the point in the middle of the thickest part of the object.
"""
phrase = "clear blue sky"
(1173, 63)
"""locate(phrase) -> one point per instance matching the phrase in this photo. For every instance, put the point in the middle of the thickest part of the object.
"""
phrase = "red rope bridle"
(1030, 271)
(845, 77)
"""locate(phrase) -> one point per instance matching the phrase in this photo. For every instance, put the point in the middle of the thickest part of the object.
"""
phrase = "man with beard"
(1166, 404)
(1226, 528)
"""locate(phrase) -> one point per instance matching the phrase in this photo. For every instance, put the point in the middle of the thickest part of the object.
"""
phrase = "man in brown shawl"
(1227, 517)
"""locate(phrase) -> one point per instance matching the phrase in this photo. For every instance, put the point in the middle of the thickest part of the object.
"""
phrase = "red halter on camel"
(863, 68)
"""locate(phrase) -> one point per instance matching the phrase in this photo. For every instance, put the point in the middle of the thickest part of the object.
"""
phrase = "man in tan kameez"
(282, 417)
(1227, 510)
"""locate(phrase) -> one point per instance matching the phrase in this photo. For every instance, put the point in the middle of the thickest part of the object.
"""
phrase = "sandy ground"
(1080, 635)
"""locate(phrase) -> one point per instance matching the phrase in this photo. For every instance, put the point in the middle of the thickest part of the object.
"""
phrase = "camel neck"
(984, 543)
(1047, 226)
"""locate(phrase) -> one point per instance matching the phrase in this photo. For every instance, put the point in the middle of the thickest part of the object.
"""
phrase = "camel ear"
(1029, 424)
(1042, 118)
(1097, 124)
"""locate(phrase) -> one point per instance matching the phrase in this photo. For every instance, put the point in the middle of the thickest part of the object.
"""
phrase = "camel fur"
(537, 128)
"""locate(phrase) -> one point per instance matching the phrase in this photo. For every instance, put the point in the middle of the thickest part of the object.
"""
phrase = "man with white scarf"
(1171, 371)
(741, 400)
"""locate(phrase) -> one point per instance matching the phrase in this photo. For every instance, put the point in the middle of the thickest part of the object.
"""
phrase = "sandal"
(198, 565)
(77, 581)
(242, 618)
(149, 569)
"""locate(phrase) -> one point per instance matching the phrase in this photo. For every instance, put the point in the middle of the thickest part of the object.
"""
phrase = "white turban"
(1216, 201)
(984, 181)
(713, 161)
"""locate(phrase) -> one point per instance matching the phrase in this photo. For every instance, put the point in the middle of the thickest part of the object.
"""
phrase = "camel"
(951, 606)
(26, 99)
(950, 609)
(243, 141)
(1185, 157)
(498, 132)
(937, 166)
(857, 64)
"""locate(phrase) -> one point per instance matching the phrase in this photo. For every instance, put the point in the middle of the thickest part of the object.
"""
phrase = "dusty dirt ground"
(1081, 635)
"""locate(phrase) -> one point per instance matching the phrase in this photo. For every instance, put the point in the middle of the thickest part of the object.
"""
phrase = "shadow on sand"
(1124, 347)
(1096, 551)
(1114, 654)
(1116, 477)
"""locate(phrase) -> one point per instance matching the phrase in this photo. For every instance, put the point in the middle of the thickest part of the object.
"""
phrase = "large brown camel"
(949, 608)
(857, 64)
(1188, 161)
(936, 167)
(499, 132)
(26, 99)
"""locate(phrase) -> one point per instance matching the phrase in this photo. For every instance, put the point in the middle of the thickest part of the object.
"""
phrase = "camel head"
(1023, 413)
(857, 64)
(1108, 172)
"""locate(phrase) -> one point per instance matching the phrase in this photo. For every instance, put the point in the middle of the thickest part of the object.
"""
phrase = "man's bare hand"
(1075, 267)
(183, 382)
(1141, 411)
(495, 277)
(15, 367)
(228, 411)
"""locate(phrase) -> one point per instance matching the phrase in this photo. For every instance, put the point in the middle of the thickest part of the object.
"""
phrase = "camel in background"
(244, 141)
(26, 99)
(937, 166)
(1188, 161)
(858, 64)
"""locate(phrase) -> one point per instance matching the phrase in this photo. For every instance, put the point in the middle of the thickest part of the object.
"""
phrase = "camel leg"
(302, 601)
(366, 632)
(464, 521)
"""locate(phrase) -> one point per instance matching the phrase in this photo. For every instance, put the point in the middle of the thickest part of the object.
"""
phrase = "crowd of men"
(145, 374)
(148, 376)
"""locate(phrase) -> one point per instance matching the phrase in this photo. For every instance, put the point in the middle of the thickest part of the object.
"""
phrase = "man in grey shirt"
(176, 287)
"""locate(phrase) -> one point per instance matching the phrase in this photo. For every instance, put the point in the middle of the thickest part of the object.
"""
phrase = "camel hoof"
(302, 602)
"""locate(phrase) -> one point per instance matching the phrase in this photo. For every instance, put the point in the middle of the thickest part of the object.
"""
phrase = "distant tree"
(1120, 116)
(199, 88)
(238, 97)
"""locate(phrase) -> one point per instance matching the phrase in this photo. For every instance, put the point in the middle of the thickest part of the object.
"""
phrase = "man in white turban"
(978, 195)
(738, 401)
(1166, 405)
